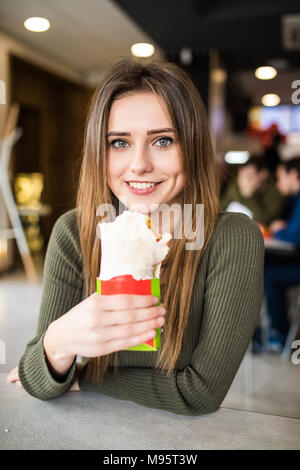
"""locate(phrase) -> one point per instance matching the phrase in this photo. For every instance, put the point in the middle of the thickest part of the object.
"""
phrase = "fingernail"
(155, 300)
(162, 311)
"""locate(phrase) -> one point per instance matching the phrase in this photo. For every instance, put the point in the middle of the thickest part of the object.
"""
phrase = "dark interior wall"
(238, 101)
(52, 117)
(198, 71)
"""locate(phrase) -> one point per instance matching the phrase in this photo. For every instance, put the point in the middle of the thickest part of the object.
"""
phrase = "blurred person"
(254, 188)
(271, 153)
(288, 183)
(270, 139)
(280, 275)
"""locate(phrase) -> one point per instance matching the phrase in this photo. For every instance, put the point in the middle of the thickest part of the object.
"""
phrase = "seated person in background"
(288, 183)
(255, 188)
(280, 275)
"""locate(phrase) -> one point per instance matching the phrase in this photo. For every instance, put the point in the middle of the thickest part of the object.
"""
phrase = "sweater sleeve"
(62, 289)
(232, 301)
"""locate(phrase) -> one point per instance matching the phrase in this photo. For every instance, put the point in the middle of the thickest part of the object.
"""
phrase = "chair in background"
(10, 137)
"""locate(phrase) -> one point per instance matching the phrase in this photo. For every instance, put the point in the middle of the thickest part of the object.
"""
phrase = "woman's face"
(142, 149)
(287, 181)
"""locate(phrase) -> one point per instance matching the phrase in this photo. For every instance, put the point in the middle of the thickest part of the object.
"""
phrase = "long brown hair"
(187, 114)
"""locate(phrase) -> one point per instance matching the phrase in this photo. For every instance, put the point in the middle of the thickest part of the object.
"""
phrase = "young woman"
(147, 123)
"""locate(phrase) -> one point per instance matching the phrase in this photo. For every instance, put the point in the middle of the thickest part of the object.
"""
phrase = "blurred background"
(244, 57)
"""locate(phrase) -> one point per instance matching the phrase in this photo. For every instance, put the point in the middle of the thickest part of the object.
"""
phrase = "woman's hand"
(101, 325)
(277, 225)
(74, 387)
(13, 377)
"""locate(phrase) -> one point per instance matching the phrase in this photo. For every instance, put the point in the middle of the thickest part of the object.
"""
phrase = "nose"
(140, 160)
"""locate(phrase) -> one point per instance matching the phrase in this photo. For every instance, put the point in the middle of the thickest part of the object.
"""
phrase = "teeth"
(141, 185)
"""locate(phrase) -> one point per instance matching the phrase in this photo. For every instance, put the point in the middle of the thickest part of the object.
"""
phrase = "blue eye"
(168, 141)
(113, 142)
(122, 144)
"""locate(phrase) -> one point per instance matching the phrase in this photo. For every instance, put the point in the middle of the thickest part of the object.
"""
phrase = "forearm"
(182, 392)
(40, 375)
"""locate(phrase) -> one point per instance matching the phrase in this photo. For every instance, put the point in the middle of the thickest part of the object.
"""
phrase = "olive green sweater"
(225, 307)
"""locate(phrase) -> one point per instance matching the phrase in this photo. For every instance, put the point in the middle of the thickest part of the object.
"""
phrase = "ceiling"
(246, 33)
(281, 84)
(88, 36)
(85, 35)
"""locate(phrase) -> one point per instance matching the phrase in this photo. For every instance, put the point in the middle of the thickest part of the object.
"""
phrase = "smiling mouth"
(142, 184)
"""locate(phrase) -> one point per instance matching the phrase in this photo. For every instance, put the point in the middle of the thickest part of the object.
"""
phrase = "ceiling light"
(186, 55)
(237, 157)
(271, 99)
(37, 24)
(265, 73)
(142, 49)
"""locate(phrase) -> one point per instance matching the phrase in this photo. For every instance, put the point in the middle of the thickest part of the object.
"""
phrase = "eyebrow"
(153, 131)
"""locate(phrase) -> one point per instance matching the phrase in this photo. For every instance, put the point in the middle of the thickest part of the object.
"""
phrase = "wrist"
(54, 344)
(58, 358)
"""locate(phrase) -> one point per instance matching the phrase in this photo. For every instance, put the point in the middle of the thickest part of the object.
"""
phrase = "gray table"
(89, 420)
